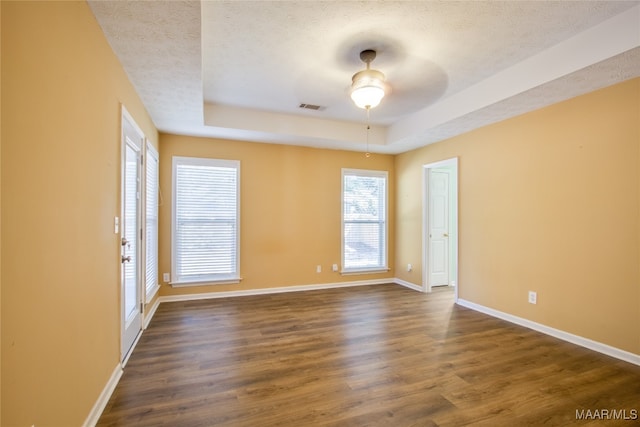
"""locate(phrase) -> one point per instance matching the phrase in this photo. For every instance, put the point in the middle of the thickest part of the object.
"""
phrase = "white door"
(131, 300)
(438, 227)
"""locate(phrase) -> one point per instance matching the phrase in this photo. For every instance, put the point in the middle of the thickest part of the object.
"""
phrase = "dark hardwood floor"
(365, 356)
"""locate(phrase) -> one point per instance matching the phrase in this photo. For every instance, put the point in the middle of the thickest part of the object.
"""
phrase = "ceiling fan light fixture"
(367, 86)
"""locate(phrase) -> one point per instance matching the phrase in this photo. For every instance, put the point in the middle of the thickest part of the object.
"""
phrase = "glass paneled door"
(130, 235)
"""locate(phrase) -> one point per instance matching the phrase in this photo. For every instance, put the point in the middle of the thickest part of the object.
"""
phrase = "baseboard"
(103, 399)
(557, 333)
(277, 290)
(408, 284)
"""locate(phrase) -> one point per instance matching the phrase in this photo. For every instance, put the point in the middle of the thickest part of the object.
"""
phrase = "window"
(205, 221)
(364, 220)
(152, 192)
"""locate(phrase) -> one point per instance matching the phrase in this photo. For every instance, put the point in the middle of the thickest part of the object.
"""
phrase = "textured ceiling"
(240, 69)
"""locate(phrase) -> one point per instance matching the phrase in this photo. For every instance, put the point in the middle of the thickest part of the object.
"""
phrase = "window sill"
(186, 284)
(354, 271)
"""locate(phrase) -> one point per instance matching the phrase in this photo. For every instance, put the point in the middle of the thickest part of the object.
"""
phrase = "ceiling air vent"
(311, 107)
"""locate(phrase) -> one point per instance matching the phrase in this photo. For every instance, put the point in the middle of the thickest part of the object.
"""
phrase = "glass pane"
(151, 224)
(363, 245)
(130, 231)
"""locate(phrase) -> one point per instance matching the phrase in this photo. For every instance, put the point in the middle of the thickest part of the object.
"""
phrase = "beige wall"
(290, 210)
(62, 90)
(548, 201)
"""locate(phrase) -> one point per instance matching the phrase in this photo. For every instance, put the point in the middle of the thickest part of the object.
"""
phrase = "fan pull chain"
(368, 154)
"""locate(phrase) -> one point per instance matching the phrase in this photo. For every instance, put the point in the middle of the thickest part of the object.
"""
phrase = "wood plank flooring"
(366, 356)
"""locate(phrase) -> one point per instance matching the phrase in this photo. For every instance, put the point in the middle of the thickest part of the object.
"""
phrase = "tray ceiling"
(241, 69)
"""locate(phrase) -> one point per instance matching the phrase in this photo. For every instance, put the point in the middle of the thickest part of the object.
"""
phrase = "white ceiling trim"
(622, 67)
(311, 131)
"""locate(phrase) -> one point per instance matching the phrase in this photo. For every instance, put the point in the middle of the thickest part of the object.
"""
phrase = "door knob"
(126, 258)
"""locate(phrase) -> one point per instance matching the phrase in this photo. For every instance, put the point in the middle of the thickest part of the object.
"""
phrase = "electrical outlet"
(166, 278)
(318, 269)
(335, 267)
(533, 297)
(409, 267)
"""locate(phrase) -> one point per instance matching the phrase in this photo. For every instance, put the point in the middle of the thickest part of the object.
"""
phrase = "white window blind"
(152, 192)
(205, 220)
(364, 220)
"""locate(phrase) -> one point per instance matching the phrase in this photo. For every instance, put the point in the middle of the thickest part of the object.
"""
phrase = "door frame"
(126, 352)
(453, 224)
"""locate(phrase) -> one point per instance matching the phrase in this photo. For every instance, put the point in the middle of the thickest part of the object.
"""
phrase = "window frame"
(213, 278)
(384, 222)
